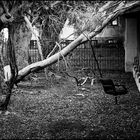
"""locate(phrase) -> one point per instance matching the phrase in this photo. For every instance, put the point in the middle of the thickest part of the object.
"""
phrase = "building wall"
(132, 39)
(114, 30)
(138, 37)
(130, 42)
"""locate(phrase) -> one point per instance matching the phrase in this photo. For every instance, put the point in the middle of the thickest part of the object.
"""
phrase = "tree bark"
(5, 88)
(38, 41)
(12, 62)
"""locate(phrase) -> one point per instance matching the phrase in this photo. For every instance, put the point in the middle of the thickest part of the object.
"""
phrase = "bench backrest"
(108, 86)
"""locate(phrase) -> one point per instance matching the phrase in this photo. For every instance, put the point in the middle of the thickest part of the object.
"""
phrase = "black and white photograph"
(69, 69)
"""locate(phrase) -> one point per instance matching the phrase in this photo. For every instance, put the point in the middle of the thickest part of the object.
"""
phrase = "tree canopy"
(48, 15)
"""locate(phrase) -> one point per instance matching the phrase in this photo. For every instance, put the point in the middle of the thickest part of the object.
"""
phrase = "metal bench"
(112, 89)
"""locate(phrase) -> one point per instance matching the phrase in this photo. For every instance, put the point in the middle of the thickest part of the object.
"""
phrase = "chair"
(112, 89)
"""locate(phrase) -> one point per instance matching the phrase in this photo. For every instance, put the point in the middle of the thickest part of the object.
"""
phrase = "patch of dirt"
(62, 110)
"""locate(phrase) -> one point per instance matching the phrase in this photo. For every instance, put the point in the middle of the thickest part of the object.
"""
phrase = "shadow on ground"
(62, 111)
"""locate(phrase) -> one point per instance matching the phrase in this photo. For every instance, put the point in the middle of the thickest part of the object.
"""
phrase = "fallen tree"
(105, 14)
(106, 18)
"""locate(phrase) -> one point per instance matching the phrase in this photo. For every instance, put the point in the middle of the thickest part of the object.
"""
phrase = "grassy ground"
(41, 111)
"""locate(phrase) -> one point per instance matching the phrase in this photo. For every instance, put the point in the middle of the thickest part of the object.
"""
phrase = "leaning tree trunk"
(3, 86)
(106, 18)
(12, 62)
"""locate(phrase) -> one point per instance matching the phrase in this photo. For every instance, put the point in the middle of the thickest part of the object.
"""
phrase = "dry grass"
(62, 111)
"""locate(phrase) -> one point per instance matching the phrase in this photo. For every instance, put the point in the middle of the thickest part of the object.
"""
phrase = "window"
(114, 22)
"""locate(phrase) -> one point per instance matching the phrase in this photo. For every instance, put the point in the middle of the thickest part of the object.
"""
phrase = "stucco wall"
(130, 43)
(114, 31)
(138, 38)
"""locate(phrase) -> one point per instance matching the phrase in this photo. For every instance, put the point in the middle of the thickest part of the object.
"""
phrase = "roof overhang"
(133, 9)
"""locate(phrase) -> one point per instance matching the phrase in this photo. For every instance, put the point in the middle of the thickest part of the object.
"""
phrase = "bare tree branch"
(55, 3)
(5, 8)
